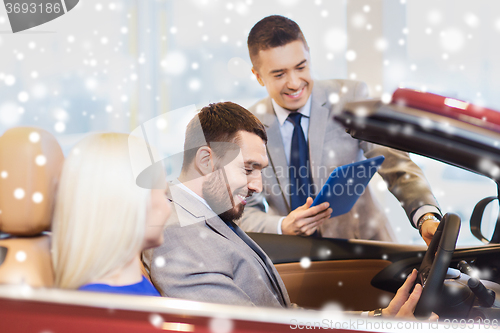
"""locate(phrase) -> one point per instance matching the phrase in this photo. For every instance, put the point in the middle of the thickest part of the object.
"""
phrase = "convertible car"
(461, 285)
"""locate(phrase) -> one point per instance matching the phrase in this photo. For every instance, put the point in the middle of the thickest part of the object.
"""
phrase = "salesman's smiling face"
(285, 72)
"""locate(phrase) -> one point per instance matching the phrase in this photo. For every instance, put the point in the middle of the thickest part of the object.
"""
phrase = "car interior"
(31, 161)
(354, 274)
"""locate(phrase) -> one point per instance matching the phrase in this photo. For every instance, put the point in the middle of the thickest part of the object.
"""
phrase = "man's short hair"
(219, 122)
(273, 31)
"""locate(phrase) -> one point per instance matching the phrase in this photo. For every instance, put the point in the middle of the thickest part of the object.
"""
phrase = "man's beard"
(219, 197)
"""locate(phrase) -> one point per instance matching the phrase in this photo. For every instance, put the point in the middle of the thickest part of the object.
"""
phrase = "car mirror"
(484, 221)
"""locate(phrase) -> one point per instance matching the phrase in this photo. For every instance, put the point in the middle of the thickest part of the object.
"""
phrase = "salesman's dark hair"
(273, 31)
(219, 122)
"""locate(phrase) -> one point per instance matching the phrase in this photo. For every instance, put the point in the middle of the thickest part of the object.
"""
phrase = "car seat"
(31, 160)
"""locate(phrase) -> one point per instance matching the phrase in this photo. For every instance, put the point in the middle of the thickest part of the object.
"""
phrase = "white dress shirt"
(188, 190)
(286, 127)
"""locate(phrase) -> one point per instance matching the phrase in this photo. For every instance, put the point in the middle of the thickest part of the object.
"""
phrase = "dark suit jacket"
(202, 259)
(329, 147)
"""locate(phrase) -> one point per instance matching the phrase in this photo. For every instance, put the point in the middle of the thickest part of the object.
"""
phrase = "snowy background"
(112, 65)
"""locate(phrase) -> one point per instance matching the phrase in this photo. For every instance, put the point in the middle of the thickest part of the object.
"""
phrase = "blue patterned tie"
(298, 170)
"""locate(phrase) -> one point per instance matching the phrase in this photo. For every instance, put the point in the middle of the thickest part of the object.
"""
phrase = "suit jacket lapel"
(252, 248)
(317, 126)
(270, 270)
(275, 148)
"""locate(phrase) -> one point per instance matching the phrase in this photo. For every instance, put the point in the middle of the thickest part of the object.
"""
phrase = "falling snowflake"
(335, 40)
(61, 115)
(159, 261)
(471, 20)
(261, 108)
(452, 40)
(23, 97)
(174, 63)
(19, 193)
(37, 197)
(9, 80)
(40, 160)
(381, 44)
(324, 253)
(194, 84)
(21, 256)
(9, 115)
(434, 17)
(161, 123)
(386, 98)
(60, 127)
(358, 20)
(384, 300)
(305, 262)
(334, 98)
(221, 325)
(156, 320)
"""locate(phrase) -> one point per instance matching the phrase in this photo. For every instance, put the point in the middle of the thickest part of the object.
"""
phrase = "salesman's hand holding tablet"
(346, 183)
(338, 195)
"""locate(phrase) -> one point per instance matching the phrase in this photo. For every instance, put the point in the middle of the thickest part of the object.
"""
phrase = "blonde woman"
(103, 220)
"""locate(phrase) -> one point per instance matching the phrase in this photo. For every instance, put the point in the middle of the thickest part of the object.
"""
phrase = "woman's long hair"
(100, 214)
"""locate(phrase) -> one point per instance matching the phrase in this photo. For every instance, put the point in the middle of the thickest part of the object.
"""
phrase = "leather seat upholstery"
(31, 160)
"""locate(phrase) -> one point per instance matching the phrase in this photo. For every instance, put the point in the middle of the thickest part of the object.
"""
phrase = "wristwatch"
(378, 312)
(428, 216)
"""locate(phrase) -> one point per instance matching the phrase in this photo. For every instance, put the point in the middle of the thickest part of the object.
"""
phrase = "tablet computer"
(346, 183)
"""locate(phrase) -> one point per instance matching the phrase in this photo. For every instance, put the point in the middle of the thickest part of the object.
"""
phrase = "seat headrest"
(31, 160)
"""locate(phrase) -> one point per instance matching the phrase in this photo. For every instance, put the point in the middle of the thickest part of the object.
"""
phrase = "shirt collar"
(282, 113)
(188, 190)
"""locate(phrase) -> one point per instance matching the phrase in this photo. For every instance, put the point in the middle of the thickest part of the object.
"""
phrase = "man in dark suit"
(298, 116)
(205, 255)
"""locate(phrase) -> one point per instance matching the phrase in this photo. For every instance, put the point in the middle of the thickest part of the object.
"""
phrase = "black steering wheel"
(432, 271)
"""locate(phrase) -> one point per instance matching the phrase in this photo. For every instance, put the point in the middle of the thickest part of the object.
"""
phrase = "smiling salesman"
(306, 144)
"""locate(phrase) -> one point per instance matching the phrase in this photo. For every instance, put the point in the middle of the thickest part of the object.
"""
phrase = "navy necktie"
(298, 170)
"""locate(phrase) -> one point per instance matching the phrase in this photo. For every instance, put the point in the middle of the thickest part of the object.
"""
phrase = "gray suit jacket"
(329, 147)
(202, 259)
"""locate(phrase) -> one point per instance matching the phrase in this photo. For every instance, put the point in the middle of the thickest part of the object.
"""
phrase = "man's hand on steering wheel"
(428, 229)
